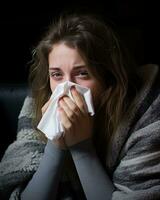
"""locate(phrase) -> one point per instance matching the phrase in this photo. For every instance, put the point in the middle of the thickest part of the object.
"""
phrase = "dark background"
(23, 23)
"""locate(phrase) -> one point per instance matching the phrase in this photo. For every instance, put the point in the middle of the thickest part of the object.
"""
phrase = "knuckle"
(72, 117)
(75, 109)
(68, 126)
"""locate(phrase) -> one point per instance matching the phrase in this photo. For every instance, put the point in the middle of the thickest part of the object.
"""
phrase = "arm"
(78, 126)
(22, 158)
(135, 178)
(95, 181)
(44, 183)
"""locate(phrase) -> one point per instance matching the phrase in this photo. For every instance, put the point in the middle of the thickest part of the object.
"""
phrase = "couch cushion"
(11, 100)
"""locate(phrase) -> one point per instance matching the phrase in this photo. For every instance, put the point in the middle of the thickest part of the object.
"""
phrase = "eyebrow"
(76, 67)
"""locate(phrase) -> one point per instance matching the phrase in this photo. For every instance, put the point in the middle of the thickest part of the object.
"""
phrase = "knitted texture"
(133, 159)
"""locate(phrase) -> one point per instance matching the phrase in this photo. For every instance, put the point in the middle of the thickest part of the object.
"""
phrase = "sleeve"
(95, 181)
(137, 177)
(21, 159)
(44, 183)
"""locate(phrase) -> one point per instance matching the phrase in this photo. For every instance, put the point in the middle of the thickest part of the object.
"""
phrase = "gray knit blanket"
(134, 158)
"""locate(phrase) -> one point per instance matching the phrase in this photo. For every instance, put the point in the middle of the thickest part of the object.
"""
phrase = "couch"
(11, 100)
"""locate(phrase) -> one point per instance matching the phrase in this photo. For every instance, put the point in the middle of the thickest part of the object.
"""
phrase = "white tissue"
(50, 124)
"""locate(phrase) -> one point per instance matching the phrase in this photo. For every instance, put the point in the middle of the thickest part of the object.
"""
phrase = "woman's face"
(66, 64)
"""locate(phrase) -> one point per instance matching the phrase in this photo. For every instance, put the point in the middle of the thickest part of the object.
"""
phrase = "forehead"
(61, 53)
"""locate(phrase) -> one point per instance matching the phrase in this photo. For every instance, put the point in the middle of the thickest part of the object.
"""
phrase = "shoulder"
(145, 127)
(142, 121)
(149, 110)
(27, 108)
(25, 128)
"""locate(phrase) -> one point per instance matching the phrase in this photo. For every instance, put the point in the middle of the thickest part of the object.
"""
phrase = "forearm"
(44, 183)
(95, 182)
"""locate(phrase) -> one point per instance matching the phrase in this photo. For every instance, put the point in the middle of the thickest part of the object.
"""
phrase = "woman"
(113, 155)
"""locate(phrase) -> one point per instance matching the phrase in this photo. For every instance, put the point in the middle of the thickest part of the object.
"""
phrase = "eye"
(55, 75)
(83, 74)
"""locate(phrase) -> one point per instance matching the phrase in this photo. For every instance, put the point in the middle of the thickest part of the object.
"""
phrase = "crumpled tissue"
(50, 123)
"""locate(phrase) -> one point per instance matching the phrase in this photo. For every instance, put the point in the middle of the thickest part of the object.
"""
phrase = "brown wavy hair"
(105, 57)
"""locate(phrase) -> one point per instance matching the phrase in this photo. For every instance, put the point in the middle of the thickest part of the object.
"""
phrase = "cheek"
(53, 84)
(95, 88)
(89, 84)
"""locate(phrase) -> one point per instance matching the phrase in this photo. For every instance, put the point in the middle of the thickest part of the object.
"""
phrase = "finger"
(44, 108)
(70, 114)
(73, 107)
(64, 119)
(79, 100)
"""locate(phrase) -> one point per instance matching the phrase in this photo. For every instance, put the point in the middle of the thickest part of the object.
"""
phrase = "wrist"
(83, 148)
(59, 143)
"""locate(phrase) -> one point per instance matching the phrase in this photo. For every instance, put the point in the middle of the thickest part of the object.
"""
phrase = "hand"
(60, 141)
(75, 119)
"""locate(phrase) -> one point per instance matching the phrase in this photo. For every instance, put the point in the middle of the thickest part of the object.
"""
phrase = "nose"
(70, 78)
